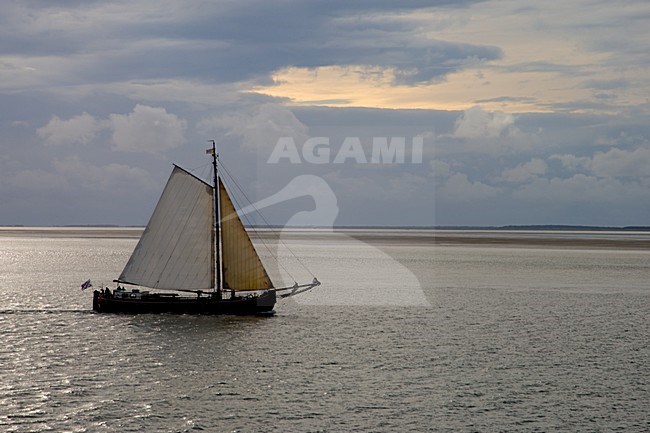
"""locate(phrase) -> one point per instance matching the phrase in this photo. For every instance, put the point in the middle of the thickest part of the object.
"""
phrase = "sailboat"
(195, 242)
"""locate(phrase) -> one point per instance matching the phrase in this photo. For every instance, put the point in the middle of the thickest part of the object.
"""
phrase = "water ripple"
(501, 349)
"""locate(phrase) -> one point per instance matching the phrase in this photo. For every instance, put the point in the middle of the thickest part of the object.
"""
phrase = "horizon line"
(577, 227)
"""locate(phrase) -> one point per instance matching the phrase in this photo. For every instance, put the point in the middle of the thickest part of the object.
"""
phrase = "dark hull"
(262, 304)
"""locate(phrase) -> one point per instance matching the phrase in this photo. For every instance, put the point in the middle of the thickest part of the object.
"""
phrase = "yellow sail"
(242, 267)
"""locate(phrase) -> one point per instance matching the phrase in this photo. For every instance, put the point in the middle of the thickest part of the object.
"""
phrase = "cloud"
(572, 162)
(147, 129)
(364, 34)
(525, 99)
(477, 130)
(226, 42)
(615, 83)
(72, 176)
(621, 163)
(118, 180)
(177, 90)
(525, 172)
(39, 180)
(78, 129)
(440, 169)
(258, 127)
(478, 123)
(411, 197)
(546, 67)
(615, 162)
(583, 189)
(66, 65)
(458, 188)
(71, 190)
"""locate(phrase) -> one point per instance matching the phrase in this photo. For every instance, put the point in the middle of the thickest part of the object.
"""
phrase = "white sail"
(176, 250)
(242, 267)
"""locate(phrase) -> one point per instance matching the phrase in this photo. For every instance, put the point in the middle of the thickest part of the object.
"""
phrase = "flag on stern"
(86, 284)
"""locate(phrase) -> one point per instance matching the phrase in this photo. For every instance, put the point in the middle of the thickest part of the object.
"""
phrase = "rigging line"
(276, 232)
(267, 223)
(202, 167)
(248, 221)
(204, 171)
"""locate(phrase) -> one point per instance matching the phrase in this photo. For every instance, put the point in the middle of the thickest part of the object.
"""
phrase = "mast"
(217, 221)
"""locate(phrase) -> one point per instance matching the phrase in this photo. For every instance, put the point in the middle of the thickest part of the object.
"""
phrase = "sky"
(329, 113)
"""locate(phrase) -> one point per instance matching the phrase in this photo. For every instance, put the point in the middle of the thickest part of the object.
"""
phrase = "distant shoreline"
(522, 238)
(530, 227)
(77, 231)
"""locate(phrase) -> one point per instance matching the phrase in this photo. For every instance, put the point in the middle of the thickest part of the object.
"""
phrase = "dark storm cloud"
(616, 83)
(232, 42)
(98, 98)
(507, 99)
(545, 67)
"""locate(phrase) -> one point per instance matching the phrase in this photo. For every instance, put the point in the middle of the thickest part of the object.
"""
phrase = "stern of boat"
(96, 300)
(266, 301)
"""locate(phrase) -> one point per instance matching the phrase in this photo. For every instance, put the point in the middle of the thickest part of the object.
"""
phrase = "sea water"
(402, 336)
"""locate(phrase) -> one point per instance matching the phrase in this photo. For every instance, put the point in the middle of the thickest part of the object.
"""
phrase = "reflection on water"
(513, 339)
